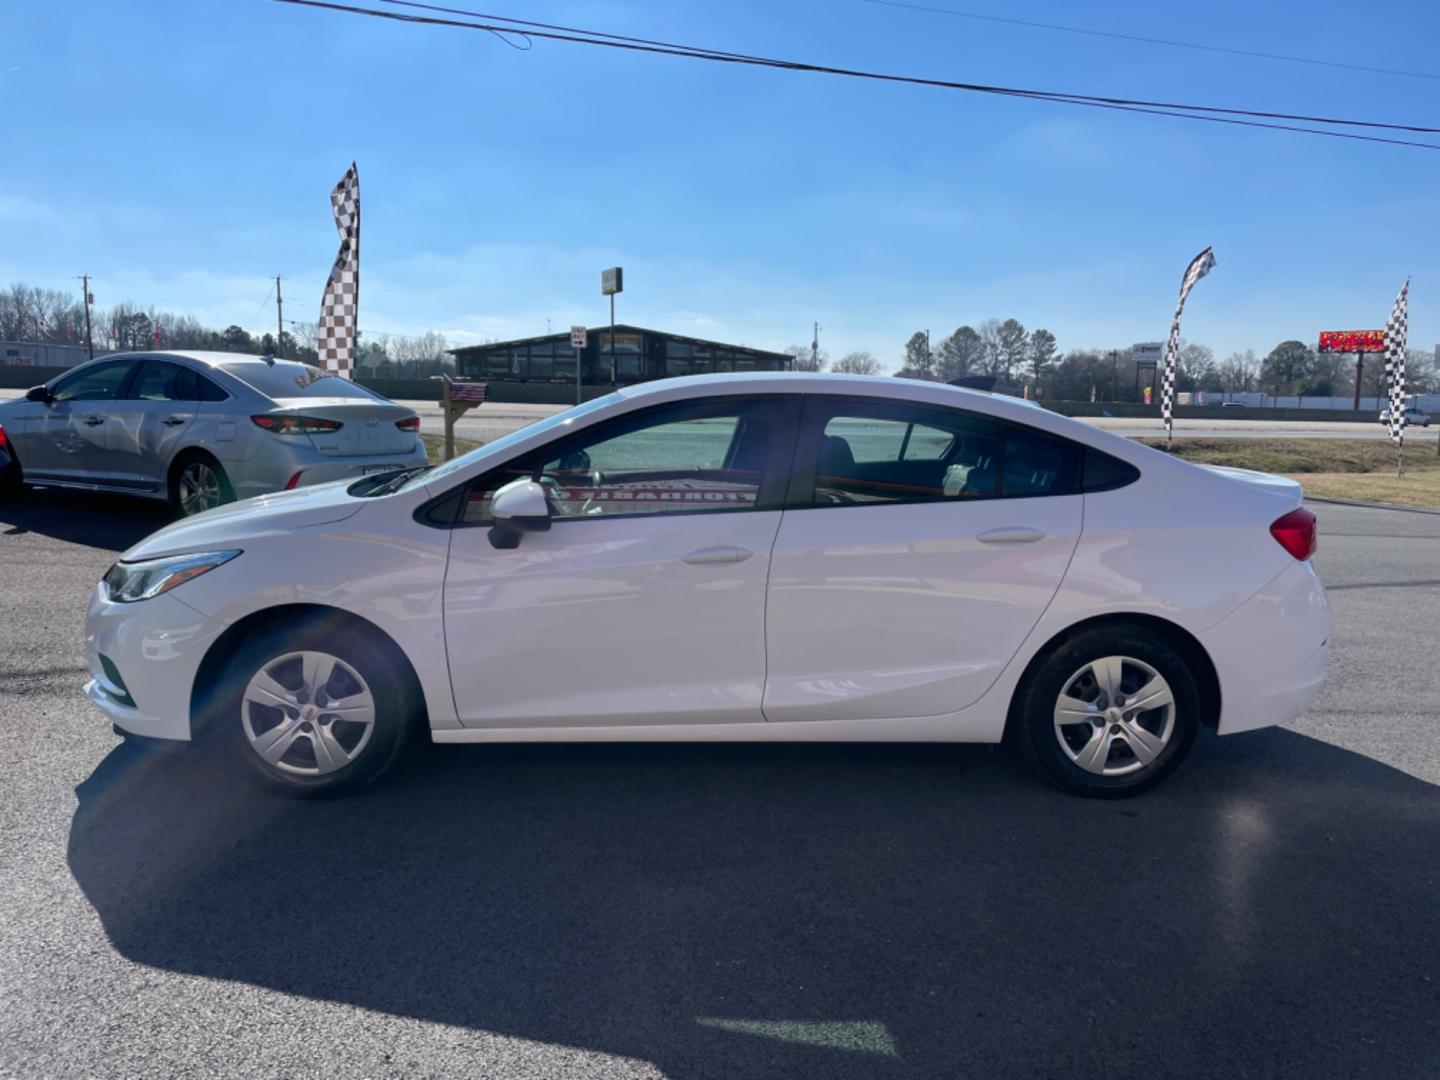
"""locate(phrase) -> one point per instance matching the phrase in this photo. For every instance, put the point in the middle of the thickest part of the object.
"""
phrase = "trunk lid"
(1285, 490)
(366, 427)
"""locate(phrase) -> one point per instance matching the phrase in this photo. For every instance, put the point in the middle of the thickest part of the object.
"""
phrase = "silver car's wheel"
(1115, 716)
(199, 488)
(308, 713)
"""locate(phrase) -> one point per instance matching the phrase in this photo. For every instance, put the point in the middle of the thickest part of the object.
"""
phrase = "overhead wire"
(1256, 118)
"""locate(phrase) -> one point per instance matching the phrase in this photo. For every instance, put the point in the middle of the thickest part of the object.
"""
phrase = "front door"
(69, 439)
(922, 546)
(645, 601)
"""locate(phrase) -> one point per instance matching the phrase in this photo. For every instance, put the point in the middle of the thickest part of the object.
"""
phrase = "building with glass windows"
(636, 355)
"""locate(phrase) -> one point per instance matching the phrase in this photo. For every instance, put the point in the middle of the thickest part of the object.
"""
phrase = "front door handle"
(94, 421)
(1013, 535)
(173, 421)
(723, 553)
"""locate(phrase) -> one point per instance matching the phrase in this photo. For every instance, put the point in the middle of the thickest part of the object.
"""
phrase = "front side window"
(697, 457)
(100, 383)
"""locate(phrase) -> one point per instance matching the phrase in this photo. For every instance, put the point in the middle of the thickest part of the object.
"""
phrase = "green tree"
(1288, 366)
(1042, 358)
(1012, 341)
(235, 339)
(959, 354)
(919, 363)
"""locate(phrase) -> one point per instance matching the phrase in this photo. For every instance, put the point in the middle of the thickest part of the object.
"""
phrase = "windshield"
(291, 379)
(551, 423)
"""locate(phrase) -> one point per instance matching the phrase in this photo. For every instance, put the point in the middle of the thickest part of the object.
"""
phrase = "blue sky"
(182, 151)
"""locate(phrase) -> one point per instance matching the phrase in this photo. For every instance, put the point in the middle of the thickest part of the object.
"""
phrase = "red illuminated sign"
(1352, 340)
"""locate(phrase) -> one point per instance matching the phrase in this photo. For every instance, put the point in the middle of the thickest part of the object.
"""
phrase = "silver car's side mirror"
(517, 508)
(40, 394)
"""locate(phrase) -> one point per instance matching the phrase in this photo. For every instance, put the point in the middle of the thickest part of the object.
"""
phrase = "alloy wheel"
(308, 713)
(199, 488)
(1115, 716)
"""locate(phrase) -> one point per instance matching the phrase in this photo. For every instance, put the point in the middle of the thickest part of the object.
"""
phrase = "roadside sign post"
(612, 281)
(579, 337)
(456, 399)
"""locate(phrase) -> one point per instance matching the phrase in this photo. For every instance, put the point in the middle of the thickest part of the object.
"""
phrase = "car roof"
(209, 358)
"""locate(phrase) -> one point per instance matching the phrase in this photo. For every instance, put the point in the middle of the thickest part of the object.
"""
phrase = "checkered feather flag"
(339, 308)
(1395, 334)
(1199, 266)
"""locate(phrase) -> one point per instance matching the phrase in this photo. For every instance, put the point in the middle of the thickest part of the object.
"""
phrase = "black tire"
(1033, 718)
(232, 721)
(12, 481)
(204, 462)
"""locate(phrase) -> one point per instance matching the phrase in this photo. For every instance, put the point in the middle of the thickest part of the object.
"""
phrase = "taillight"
(290, 484)
(410, 423)
(295, 425)
(4, 445)
(1295, 532)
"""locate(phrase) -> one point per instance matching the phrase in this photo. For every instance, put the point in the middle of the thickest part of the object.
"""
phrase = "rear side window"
(198, 388)
(886, 452)
(1036, 464)
(291, 379)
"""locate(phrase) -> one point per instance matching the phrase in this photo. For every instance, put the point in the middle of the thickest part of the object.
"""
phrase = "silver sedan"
(199, 429)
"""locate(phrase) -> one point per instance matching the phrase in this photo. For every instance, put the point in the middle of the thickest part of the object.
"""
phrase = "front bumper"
(156, 647)
(1270, 652)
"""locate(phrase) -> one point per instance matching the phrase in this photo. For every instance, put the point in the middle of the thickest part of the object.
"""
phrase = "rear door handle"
(1013, 535)
(94, 421)
(173, 421)
(723, 553)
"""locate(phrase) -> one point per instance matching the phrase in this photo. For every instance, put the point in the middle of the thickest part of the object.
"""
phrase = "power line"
(1175, 110)
(1151, 40)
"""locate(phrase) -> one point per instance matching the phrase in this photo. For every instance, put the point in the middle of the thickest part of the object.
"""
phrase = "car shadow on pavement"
(811, 911)
(90, 518)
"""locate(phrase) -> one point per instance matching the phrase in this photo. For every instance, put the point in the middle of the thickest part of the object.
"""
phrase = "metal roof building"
(636, 355)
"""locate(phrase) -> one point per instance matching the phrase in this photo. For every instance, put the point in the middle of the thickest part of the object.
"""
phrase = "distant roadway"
(494, 419)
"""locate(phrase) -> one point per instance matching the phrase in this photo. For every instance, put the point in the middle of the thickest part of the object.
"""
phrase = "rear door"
(919, 547)
(69, 439)
(150, 423)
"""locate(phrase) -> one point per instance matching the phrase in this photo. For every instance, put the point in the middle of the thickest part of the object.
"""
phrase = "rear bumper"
(155, 646)
(1270, 652)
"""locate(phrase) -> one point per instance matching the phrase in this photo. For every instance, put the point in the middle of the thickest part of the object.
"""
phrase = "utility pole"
(89, 341)
(1359, 371)
(815, 349)
(279, 320)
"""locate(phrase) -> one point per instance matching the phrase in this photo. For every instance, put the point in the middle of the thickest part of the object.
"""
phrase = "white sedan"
(747, 557)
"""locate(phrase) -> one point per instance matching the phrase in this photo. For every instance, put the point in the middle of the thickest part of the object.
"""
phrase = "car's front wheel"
(1109, 713)
(314, 710)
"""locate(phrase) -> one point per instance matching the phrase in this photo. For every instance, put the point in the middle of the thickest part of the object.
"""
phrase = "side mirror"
(40, 394)
(517, 508)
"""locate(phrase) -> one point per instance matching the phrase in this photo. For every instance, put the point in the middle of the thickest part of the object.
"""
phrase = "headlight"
(128, 582)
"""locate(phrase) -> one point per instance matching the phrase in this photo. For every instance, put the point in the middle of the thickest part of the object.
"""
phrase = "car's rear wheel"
(1109, 713)
(198, 483)
(312, 711)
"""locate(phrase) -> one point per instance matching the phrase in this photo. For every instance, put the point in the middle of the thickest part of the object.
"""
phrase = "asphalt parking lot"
(711, 911)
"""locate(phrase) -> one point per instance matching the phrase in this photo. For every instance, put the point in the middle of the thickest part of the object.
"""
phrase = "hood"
(230, 526)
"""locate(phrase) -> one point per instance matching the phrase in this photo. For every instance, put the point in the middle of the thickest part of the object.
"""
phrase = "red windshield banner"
(1352, 340)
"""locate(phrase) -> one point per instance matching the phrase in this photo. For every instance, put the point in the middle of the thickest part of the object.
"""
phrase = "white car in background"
(200, 429)
(733, 557)
(1414, 416)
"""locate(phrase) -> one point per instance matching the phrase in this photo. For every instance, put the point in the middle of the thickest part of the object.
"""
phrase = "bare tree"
(802, 359)
(857, 363)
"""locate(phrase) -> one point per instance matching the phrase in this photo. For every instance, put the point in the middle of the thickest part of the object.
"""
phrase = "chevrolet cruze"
(741, 557)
